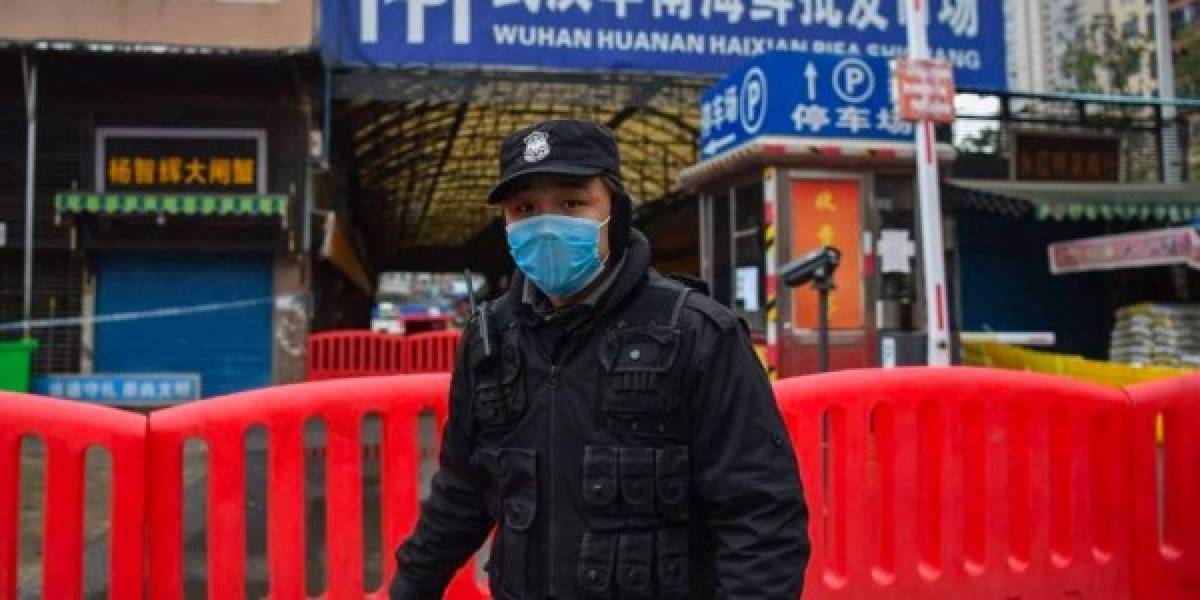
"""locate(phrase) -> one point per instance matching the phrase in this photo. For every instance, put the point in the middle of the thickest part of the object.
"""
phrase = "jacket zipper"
(552, 546)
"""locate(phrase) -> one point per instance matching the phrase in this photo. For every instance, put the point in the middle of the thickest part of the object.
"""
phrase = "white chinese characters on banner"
(732, 9)
(731, 104)
(962, 16)
(680, 9)
(820, 12)
(584, 6)
(853, 119)
(533, 6)
(622, 6)
(717, 114)
(855, 115)
(865, 14)
(813, 117)
(120, 389)
(722, 110)
(887, 120)
(767, 10)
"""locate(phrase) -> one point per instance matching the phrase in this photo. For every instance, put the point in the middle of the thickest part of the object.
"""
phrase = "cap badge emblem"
(537, 146)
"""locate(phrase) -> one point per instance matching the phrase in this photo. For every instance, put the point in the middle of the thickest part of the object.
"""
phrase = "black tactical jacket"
(630, 449)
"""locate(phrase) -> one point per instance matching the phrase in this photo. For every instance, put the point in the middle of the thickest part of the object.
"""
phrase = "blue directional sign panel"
(677, 36)
(122, 389)
(817, 96)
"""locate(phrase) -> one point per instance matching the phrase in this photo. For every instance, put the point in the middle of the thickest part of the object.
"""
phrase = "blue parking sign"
(819, 96)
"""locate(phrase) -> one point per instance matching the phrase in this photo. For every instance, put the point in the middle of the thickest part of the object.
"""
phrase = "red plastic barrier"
(283, 412)
(432, 352)
(67, 430)
(337, 354)
(1166, 540)
(921, 483)
(340, 354)
(962, 483)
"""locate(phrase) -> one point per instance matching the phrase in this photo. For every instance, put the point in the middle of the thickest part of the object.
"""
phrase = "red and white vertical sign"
(923, 89)
(930, 204)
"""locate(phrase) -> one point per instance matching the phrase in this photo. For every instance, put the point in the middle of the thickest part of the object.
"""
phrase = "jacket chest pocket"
(498, 396)
(635, 565)
(637, 386)
(635, 486)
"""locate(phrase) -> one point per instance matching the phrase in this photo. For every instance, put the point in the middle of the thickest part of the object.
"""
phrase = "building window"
(1130, 27)
(748, 260)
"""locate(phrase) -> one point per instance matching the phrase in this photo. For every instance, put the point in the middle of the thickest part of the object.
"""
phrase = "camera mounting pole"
(818, 267)
(823, 284)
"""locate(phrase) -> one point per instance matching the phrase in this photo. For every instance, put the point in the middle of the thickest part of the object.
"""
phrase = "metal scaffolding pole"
(1172, 162)
(29, 71)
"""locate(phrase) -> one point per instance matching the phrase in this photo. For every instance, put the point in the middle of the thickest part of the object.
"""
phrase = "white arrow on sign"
(810, 73)
(715, 146)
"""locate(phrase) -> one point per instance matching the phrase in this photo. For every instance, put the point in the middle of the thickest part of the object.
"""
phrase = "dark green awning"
(1167, 203)
(204, 205)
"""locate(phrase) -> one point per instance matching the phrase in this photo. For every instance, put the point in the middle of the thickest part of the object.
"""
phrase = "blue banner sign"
(675, 36)
(122, 389)
(814, 96)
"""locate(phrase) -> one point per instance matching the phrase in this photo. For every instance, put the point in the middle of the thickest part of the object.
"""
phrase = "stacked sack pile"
(1157, 334)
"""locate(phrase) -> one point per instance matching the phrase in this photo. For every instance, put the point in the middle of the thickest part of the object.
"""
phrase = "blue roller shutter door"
(230, 347)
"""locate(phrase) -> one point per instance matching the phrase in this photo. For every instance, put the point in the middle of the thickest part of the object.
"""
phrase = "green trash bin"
(15, 359)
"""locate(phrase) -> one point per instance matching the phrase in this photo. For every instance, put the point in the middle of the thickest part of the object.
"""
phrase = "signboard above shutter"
(228, 161)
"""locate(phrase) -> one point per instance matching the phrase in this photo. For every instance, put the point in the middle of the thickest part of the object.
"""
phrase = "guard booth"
(800, 151)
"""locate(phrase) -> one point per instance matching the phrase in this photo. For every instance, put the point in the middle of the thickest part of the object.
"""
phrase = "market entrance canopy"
(1170, 203)
(421, 149)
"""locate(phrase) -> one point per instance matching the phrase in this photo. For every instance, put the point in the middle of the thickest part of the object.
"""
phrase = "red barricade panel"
(1166, 474)
(431, 352)
(67, 430)
(961, 483)
(339, 354)
(921, 483)
(283, 411)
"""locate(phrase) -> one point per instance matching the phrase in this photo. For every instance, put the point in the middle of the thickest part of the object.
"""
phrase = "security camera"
(818, 264)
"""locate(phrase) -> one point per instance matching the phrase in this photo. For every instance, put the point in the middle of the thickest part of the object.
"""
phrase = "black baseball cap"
(562, 147)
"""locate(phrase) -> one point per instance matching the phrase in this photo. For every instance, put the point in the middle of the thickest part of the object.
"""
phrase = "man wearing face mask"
(615, 428)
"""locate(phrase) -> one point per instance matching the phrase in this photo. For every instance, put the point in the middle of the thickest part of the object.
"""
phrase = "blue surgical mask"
(560, 254)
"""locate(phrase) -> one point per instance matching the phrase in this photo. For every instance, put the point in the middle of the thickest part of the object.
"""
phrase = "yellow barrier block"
(1003, 356)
